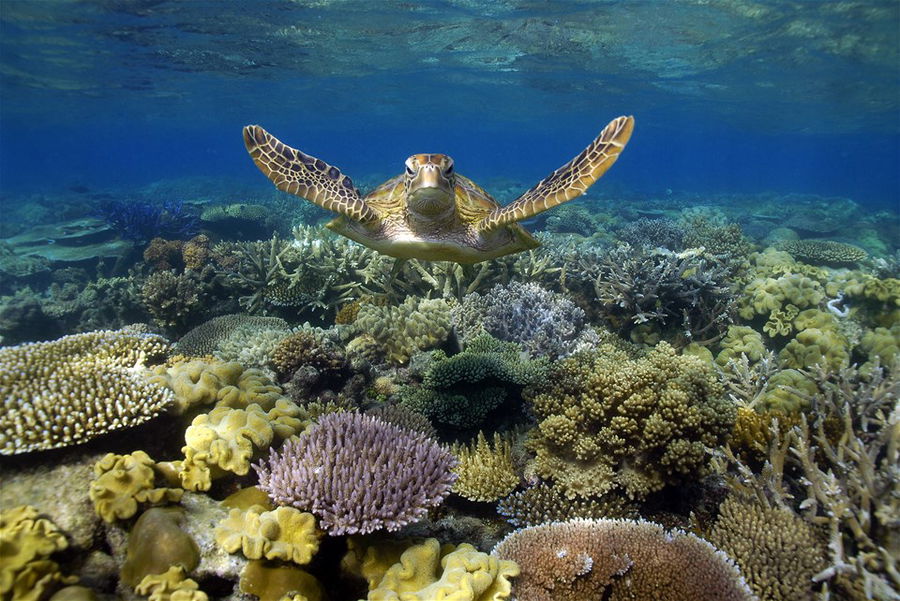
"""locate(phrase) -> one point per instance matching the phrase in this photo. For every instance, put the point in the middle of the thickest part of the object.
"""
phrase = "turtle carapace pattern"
(429, 211)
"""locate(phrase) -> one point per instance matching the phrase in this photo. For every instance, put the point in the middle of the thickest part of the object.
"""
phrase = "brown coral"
(163, 254)
(196, 253)
(306, 347)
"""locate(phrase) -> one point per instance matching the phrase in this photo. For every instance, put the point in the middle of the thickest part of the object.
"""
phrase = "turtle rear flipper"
(302, 175)
(569, 181)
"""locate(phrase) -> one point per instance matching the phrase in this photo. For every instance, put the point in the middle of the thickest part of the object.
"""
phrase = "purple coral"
(359, 474)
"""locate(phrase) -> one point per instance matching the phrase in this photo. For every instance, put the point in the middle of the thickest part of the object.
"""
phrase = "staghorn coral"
(845, 457)
(415, 325)
(824, 252)
(485, 472)
(123, 482)
(428, 571)
(283, 533)
(542, 503)
(682, 292)
(358, 474)
(226, 440)
(73, 389)
(28, 540)
(777, 551)
(607, 421)
(462, 390)
(544, 323)
(618, 560)
(164, 254)
(205, 339)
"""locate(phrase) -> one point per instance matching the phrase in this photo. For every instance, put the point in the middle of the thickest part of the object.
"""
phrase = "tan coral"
(28, 540)
(403, 330)
(284, 533)
(67, 391)
(125, 482)
(486, 472)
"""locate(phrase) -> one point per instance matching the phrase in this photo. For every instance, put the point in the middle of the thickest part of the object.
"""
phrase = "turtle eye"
(410, 170)
(449, 169)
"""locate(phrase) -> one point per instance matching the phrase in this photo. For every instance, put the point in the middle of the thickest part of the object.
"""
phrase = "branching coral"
(652, 233)
(358, 474)
(415, 325)
(307, 347)
(610, 422)
(617, 560)
(543, 322)
(485, 472)
(838, 470)
(542, 503)
(73, 389)
(667, 290)
(174, 299)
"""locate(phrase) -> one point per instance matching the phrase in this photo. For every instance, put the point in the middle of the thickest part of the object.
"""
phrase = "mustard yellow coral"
(26, 542)
(485, 472)
(284, 533)
(123, 482)
(171, 585)
(67, 391)
(428, 571)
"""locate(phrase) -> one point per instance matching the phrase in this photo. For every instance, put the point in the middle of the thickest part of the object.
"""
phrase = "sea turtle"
(431, 212)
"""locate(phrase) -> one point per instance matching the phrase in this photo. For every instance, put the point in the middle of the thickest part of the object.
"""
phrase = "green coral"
(763, 295)
(123, 483)
(463, 389)
(780, 395)
(283, 533)
(26, 543)
(882, 344)
(68, 391)
(401, 331)
(607, 421)
(429, 571)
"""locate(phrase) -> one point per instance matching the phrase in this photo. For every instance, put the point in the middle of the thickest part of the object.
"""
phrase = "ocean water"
(759, 197)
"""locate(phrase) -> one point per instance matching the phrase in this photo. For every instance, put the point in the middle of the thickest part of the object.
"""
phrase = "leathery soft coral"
(610, 422)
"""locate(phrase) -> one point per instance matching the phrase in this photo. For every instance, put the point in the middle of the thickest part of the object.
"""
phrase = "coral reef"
(485, 472)
(652, 233)
(205, 339)
(544, 323)
(174, 299)
(358, 474)
(618, 560)
(73, 389)
(542, 503)
(141, 221)
(607, 421)
(307, 348)
(462, 390)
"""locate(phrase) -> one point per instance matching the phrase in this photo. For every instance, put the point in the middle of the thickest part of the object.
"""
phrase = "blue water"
(735, 97)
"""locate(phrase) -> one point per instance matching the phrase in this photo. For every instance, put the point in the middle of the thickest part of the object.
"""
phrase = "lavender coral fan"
(359, 474)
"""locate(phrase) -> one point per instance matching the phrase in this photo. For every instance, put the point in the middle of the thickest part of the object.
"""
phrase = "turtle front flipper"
(569, 181)
(305, 176)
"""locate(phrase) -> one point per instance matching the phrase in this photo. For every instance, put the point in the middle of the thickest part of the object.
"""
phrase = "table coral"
(610, 422)
(28, 540)
(205, 339)
(485, 471)
(777, 551)
(415, 325)
(542, 503)
(123, 483)
(617, 560)
(68, 391)
(824, 252)
(358, 474)
(428, 571)
(283, 533)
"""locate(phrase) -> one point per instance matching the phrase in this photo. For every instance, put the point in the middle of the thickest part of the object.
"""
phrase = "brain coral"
(358, 474)
(415, 325)
(73, 389)
(427, 572)
(618, 560)
(608, 421)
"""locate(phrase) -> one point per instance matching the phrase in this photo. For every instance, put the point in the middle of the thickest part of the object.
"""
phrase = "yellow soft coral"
(26, 541)
(285, 533)
(741, 340)
(428, 571)
(486, 473)
(172, 585)
(813, 346)
(123, 482)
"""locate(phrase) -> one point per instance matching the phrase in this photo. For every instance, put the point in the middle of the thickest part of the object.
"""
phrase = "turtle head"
(430, 183)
